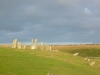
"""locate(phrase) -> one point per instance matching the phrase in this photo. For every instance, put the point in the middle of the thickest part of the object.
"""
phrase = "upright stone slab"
(32, 44)
(36, 43)
(50, 48)
(24, 47)
(19, 45)
(41, 45)
(47, 47)
(14, 44)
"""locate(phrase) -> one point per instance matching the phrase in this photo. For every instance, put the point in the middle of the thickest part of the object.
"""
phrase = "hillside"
(37, 62)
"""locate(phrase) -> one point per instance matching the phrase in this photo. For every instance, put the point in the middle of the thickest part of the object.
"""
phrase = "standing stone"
(19, 45)
(34, 44)
(47, 47)
(50, 48)
(41, 45)
(14, 44)
(24, 47)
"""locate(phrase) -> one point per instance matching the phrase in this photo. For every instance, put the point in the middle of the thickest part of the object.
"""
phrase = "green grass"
(85, 52)
(30, 62)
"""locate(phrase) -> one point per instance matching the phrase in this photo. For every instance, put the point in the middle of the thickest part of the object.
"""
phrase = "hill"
(41, 62)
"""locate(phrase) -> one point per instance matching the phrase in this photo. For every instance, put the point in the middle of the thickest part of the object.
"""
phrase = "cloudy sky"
(51, 21)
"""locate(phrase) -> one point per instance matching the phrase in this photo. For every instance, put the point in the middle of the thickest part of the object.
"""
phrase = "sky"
(50, 21)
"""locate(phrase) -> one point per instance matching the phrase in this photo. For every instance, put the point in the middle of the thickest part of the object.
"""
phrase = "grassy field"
(41, 62)
(83, 50)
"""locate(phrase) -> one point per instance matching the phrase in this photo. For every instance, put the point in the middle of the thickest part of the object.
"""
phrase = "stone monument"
(24, 47)
(19, 45)
(41, 45)
(14, 44)
(48, 47)
(34, 44)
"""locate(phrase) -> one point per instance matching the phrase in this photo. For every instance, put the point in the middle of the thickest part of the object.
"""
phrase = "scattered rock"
(75, 54)
(55, 50)
(92, 63)
(49, 74)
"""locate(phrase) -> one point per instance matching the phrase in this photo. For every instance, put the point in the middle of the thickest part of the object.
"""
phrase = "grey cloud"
(49, 20)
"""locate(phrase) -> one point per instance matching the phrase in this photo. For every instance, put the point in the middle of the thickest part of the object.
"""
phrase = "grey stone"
(14, 44)
(75, 54)
(49, 74)
(41, 45)
(24, 47)
(19, 45)
(48, 47)
(34, 44)
(92, 63)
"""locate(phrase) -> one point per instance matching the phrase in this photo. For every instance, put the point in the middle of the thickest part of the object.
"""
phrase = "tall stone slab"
(50, 48)
(41, 46)
(19, 45)
(14, 44)
(24, 47)
(34, 44)
(47, 47)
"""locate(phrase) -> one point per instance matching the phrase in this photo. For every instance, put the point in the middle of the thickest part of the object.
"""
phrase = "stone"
(88, 60)
(50, 48)
(33, 47)
(34, 44)
(92, 63)
(24, 47)
(19, 45)
(41, 45)
(85, 59)
(47, 47)
(49, 74)
(55, 50)
(75, 54)
(14, 44)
